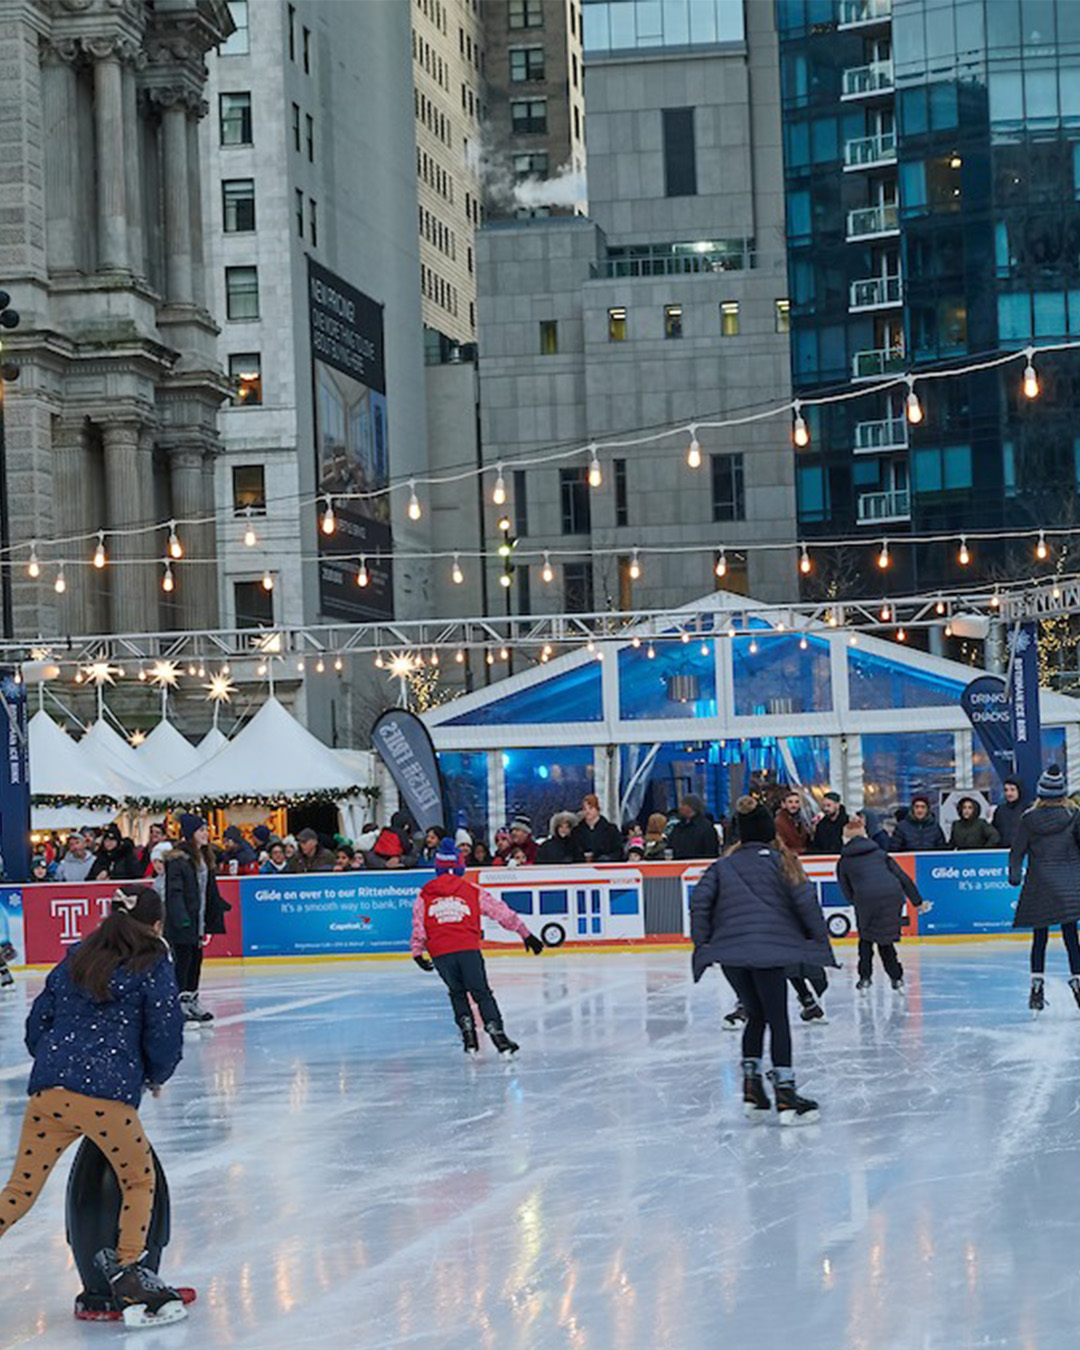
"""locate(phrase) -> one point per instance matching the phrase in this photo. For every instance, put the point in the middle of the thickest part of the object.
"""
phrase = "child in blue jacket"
(106, 1025)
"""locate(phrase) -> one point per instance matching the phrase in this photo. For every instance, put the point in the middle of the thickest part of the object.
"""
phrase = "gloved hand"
(533, 945)
(424, 962)
(7, 952)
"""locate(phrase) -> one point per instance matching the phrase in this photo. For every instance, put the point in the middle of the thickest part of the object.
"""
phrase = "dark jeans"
(188, 962)
(763, 994)
(1038, 948)
(889, 960)
(809, 993)
(464, 973)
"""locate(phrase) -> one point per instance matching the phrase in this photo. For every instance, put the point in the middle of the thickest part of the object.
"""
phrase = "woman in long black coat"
(194, 909)
(1049, 837)
(876, 885)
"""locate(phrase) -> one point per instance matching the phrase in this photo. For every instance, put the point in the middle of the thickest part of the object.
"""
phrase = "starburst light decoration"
(400, 666)
(220, 689)
(100, 673)
(165, 674)
(136, 738)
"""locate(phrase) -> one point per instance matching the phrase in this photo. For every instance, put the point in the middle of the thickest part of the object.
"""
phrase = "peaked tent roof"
(167, 754)
(274, 756)
(214, 740)
(118, 762)
(57, 766)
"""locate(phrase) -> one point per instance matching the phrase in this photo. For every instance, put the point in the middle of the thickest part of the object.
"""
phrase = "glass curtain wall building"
(932, 173)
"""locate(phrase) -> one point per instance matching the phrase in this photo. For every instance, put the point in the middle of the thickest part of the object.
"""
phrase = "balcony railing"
(866, 81)
(890, 433)
(867, 151)
(855, 13)
(869, 222)
(878, 362)
(876, 293)
(878, 506)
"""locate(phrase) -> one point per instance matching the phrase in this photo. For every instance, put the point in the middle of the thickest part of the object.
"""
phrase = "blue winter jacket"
(109, 1050)
(744, 913)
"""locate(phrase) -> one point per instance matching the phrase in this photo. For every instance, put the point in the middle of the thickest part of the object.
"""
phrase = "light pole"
(9, 318)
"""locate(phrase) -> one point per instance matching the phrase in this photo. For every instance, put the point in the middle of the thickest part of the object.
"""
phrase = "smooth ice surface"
(341, 1178)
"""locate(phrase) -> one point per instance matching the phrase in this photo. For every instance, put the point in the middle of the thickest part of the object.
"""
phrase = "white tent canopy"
(118, 762)
(166, 754)
(58, 769)
(214, 740)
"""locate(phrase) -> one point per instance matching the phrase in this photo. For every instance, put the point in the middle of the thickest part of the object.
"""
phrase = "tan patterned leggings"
(54, 1119)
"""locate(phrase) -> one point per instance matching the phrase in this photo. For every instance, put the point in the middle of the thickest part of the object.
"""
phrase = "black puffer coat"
(121, 864)
(1049, 836)
(876, 885)
(917, 836)
(829, 833)
(602, 840)
(182, 902)
(1007, 817)
(744, 913)
(696, 837)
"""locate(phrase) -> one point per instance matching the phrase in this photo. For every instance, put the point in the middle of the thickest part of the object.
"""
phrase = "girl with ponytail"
(106, 1026)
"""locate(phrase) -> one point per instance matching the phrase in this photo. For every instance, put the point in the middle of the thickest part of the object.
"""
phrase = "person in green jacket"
(971, 829)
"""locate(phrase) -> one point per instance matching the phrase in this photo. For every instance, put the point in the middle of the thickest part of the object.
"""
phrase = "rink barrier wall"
(599, 907)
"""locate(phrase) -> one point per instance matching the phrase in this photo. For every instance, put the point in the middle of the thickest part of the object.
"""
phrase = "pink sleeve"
(501, 913)
(419, 931)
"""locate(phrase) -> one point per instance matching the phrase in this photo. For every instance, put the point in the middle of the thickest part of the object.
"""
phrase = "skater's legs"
(450, 972)
(188, 961)
(802, 989)
(54, 1119)
(1038, 950)
(771, 989)
(866, 959)
(1072, 946)
(890, 960)
(753, 1038)
(476, 982)
(819, 983)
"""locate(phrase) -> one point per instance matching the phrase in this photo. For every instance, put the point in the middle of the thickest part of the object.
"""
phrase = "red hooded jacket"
(447, 916)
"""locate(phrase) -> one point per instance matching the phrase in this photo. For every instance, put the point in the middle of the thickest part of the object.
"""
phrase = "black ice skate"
(791, 1109)
(756, 1103)
(194, 1012)
(899, 986)
(1074, 985)
(501, 1041)
(469, 1041)
(138, 1294)
(7, 980)
(865, 984)
(735, 1019)
(1037, 999)
(812, 1011)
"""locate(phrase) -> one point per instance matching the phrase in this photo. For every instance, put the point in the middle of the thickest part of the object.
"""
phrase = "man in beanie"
(117, 859)
(310, 856)
(77, 861)
(919, 831)
(829, 831)
(447, 927)
(521, 838)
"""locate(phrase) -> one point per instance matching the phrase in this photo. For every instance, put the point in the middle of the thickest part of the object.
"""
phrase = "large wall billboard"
(351, 451)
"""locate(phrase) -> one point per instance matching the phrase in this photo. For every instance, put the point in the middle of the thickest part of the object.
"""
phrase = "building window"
(296, 125)
(235, 118)
(299, 196)
(254, 604)
(237, 44)
(242, 292)
(238, 204)
(673, 321)
(526, 14)
(249, 486)
(526, 63)
(622, 510)
(309, 125)
(307, 51)
(531, 164)
(728, 496)
(574, 498)
(245, 376)
(729, 318)
(783, 316)
(549, 337)
(528, 115)
(577, 123)
(521, 504)
(524, 588)
(680, 156)
(292, 33)
(578, 588)
(616, 324)
(313, 221)
(573, 63)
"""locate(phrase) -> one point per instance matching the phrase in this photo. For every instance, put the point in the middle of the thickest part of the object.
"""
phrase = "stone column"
(198, 280)
(212, 599)
(174, 136)
(71, 464)
(186, 473)
(132, 172)
(109, 155)
(58, 92)
(125, 494)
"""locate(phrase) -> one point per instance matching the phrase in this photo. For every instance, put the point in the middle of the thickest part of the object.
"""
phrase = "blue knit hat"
(1051, 784)
(447, 858)
(189, 823)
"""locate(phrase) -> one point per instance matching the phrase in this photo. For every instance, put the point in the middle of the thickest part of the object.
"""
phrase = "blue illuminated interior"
(575, 695)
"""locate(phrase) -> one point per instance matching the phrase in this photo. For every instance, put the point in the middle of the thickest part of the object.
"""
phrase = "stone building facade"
(112, 422)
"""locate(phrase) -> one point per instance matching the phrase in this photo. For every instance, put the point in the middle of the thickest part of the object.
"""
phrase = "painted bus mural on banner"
(580, 904)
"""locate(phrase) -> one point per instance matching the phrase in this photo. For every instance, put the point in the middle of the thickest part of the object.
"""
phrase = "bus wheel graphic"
(553, 934)
(839, 925)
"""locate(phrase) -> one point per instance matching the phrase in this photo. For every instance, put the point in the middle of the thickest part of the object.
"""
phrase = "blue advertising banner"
(328, 915)
(14, 778)
(1024, 703)
(970, 891)
(986, 702)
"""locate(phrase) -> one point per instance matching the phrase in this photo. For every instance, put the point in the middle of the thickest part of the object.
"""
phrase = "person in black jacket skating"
(1049, 837)
(693, 835)
(1006, 818)
(595, 838)
(194, 909)
(876, 885)
(754, 913)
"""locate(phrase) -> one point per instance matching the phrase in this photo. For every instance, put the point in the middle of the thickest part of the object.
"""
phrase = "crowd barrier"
(359, 913)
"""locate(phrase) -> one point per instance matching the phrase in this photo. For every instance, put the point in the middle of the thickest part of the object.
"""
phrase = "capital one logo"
(69, 912)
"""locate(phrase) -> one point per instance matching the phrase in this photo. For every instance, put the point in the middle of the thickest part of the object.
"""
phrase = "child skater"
(754, 913)
(1049, 836)
(876, 885)
(106, 1025)
(446, 925)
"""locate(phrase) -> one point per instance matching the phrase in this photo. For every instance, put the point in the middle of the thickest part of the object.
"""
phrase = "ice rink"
(342, 1178)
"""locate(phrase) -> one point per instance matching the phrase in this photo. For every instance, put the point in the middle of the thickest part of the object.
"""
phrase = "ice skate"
(195, 1015)
(501, 1041)
(7, 980)
(812, 1011)
(791, 1109)
(735, 1019)
(1074, 985)
(470, 1043)
(139, 1294)
(1037, 998)
(756, 1103)
(899, 986)
(865, 985)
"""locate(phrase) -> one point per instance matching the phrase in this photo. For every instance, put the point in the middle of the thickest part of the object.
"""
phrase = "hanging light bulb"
(379, 662)
(457, 576)
(590, 646)
(1056, 592)
(226, 669)
(176, 548)
(883, 559)
(260, 669)
(684, 637)
(948, 629)
(635, 641)
(901, 635)
(635, 567)
(99, 552)
(267, 581)
(885, 612)
(78, 677)
(753, 647)
(505, 580)
(831, 619)
(328, 523)
(800, 432)
(804, 561)
(339, 664)
(963, 557)
(459, 656)
(33, 567)
(490, 658)
(1031, 379)
(168, 583)
(995, 601)
(803, 644)
(249, 530)
(853, 640)
(704, 649)
(651, 652)
(547, 572)
(362, 577)
(1041, 551)
(301, 666)
(498, 496)
(414, 501)
(504, 655)
(913, 407)
(546, 650)
(721, 565)
(60, 584)
(693, 453)
(940, 606)
(320, 666)
(596, 476)
(434, 659)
